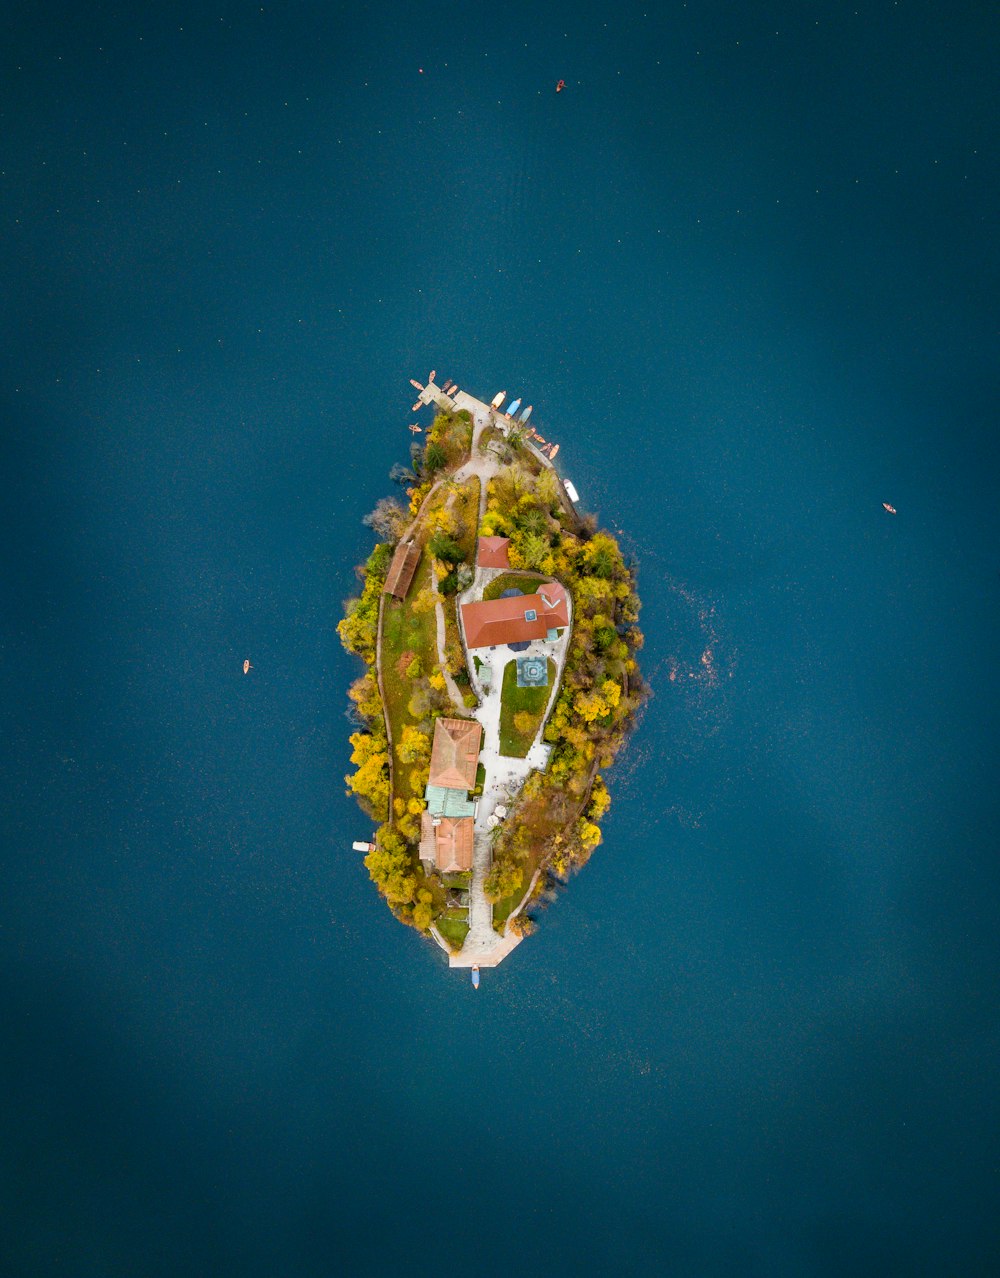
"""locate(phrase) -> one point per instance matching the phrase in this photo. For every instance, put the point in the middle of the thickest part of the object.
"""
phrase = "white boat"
(498, 399)
(571, 492)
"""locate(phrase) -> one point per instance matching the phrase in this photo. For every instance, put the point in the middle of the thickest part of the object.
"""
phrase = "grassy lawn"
(454, 930)
(512, 701)
(511, 581)
(466, 509)
(405, 631)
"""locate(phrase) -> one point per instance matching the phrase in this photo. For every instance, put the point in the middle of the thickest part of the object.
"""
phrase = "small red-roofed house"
(492, 552)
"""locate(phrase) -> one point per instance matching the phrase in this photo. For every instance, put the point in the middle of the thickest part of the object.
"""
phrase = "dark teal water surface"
(744, 268)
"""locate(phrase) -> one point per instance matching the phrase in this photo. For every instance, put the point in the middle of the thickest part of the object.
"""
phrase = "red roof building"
(446, 842)
(518, 619)
(455, 753)
(401, 570)
(492, 552)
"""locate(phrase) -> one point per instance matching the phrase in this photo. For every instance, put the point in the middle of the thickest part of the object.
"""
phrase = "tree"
(590, 834)
(391, 867)
(400, 475)
(371, 781)
(414, 746)
(388, 519)
(533, 549)
(598, 703)
(503, 879)
(425, 601)
(600, 800)
(603, 556)
(435, 457)
(365, 695)
(423, 910)
(444, 547)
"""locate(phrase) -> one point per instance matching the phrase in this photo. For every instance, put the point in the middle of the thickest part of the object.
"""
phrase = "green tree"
(503, 879)
(414, 746)
(391, 867)
(435, 457)
(446, 548)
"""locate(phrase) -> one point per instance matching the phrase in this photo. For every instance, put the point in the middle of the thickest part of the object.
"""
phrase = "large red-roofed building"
(518, 619)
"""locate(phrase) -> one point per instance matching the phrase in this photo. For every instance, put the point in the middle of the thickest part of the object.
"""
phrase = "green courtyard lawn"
(514, 700)
(513, 581)
(454, 927)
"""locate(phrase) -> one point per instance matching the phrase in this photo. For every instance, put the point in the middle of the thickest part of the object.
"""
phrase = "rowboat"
(890, 509)
(498, 399)
(513, 408)
(527, 413)
(475, 976)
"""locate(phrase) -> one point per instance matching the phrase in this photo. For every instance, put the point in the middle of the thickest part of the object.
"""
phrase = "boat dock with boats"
(506, 420)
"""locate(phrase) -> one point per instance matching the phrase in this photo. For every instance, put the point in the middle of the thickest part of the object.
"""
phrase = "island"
(499, 628)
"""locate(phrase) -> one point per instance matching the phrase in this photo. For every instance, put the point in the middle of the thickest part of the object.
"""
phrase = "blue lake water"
(744, 267)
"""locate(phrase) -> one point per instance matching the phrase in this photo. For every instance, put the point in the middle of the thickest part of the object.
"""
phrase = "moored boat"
(475, 976)
(554, 450)
(498, 399)
(571, 491)
(527, 413)
(513, 408)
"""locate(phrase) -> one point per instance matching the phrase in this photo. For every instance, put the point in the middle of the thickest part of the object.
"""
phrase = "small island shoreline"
(494, 705)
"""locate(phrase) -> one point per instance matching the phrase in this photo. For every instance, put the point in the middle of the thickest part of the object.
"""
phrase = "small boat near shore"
(571, 492)
(513, 408)
(498, 399)
(475, 976)
(527, 413)
(416, 385)
(555, 449)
